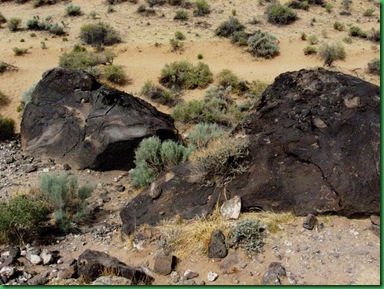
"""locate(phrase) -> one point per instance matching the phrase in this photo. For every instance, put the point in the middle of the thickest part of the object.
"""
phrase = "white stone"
(47, 257)
(35, 259)
(212, 276)
(7, 271)
(230, 210)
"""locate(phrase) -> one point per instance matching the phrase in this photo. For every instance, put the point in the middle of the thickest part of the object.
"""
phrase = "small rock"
(112, 280)
(175, 277)
(291, 279)
(230, 261)
(30, 168)
(230, 210)
(66, 167)
(35, 259)
(189, 274)
(164, 264)
(212, 276)
(7, 271)
(310, 222)
(188, 282)
(9, 160)
(120, 188)
(47, 257)
(217, 247)
(273, 274)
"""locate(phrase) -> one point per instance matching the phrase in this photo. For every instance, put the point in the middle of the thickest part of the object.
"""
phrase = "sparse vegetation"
(73, 10)
(20, 51)
(7, 128)
(99, 34)
(374, 35)
(4, 100)
(328, 7)
(13, 24)
(313, 39)
(202, 8)
(248, 235)
(355, 31)
(65, 198)
(179, 35)
(369, 12)
(263, 44)
(3, 20)
(331, 51)
(374, 66)
(229, 27)
(338, 26)
(115, 74)
(203, 133)
(21, 219)
(200, 56)
(184, 75)
(153, 156)
(159, 95)
(310, 50)
(176, 45)
(227, 78)
(280, 14)
(181, 15)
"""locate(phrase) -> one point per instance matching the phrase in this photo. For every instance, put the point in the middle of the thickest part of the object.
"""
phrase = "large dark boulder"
(74, 119)
(93, 264)
(314, 148)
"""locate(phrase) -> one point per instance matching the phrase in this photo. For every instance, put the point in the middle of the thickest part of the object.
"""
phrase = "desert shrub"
(220, 161)
(374, 66)
(229, 27)
(200, 56)
(99, 34)
(4, 100)
(303, 36)
(313, 39)
(176, 45)
(331, 51)
(153, 156)
(328, 7)
(347, 40)
(374, 35)
(304, 5)
(21, 219)
(202, 8)
(33, 24)
(20, 51)
(369, 12)
(3, 20)
(7, 128)
(338, 26)
(38, 3)
(227, 78)
(152, 3)
(158, 94)
(280, 14)
(203, 133)
(13, 24)
(216, 107)
(263, 44)
(65, 198)
(184, 75)
(115, 74)
(310, 50)
(355, 31)
(240, 38)
(256, 89)
(248, 235)
(56, 29)
(181, 15)
(179, 35)
(73, 10)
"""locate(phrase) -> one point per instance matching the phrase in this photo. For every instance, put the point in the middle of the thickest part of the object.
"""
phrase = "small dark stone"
(66, 167)
(30, 168)
(273, 274)
(9, 160)
(310, 222)
(164, 264)
(120, 188)
(217, 247)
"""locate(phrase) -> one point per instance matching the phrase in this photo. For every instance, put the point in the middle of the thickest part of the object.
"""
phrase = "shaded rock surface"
(217, 247)
(77, 121)
(92, 264)
(314, 149)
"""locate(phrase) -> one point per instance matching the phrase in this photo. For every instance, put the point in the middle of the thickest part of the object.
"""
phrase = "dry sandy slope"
(143, 60)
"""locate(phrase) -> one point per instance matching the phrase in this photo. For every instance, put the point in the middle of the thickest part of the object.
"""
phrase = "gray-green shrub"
(227, 78)
(99, 34)
(181, 15)
(355, 31)
(331, 51)
(229, 27)
(338, 26)
(263, 44)
(7, 128)
(202, 8)
(374, 66)
(13, 24)
(159, 95)
(203, 133)
(115, 74)
(73, 10)
(310, 50)
(280, 14)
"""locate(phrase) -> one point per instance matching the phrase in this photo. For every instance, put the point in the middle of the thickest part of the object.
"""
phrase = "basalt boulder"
(314, 148)
(74, 119)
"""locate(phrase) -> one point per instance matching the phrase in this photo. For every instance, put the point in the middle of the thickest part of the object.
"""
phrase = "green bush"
(328, 7)
(220, 161)
(310, 50)
(248, 235)
(356, 31)
(181, 15)
(227, 78)
(3, 20)
(200, 56)
(304, 5)
(179, 35)
(99, 34)
(331, 52)
(38, 3)
(7, 128)
(153, 156)
(203, 133)
(202, 8)
(369, 12)
(374, 35)
(65, 198)
(73, 10)
(13, 24)
(240, 38)
(56, 29)
(263, 44)
(229, 27)
(313, 39)
(20, 51)
(280, 14)
(184, 75)
(158, 94)
(115, 74)
(338, 26)
(4, 100)
(374, 66)
(21, 219)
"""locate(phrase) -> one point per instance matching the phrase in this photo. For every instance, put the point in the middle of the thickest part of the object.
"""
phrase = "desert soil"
(344, 252)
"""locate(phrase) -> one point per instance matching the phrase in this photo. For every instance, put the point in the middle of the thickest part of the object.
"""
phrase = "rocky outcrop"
(314, 148)
(75, 120)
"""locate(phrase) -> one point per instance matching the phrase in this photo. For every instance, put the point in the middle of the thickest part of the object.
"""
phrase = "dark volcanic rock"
(217, 247)
(314, 148)
(75, 120)
(92, 264)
